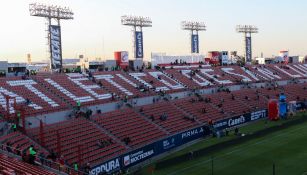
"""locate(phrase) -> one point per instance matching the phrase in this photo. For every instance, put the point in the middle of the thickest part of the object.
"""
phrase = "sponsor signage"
(248, 49)
(239, 120)
(192, 134)
(55, 47)
(258, 115)
(138, 155)
(139, 45)
(169, 143)
(194, 43)
(107, 167)
(124, 57)
(179, 139)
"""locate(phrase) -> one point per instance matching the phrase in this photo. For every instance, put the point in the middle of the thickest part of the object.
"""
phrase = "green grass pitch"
(287, 149)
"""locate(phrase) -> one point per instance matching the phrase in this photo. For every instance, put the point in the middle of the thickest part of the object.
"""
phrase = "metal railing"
(38, 160)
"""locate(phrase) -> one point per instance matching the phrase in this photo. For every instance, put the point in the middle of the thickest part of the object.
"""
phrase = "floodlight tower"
(194, 27)
(54, 31)
(137, 22)
(247, 30)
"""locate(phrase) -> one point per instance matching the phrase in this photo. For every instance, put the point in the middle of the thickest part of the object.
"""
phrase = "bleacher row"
(144, 124)
(13, 166)
(47, 93)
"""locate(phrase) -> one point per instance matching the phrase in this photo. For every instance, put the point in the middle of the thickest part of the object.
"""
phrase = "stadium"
(189, 114)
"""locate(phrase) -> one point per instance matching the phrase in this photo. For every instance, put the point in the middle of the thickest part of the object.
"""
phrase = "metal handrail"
(55, 166)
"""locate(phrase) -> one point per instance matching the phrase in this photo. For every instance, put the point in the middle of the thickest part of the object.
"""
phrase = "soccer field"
(287, 149)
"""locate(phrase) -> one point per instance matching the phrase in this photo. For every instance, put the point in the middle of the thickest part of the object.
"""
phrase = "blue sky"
(96, 30)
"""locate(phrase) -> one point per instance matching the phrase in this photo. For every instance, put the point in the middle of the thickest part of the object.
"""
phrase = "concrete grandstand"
(114, 120)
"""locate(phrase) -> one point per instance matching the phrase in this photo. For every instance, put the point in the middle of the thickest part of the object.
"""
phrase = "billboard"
(248, 49)
(285, 56)
(180, 139)
(214, 57)
(124, 57)
(239, 120)
(139, 45)
(55, 47)
(107, 167)
(194, 44)
(141, 154)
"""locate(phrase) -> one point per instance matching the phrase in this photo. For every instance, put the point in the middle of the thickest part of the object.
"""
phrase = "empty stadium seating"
(40, 100)
(189, 78)
(175, 118)
(229, 106)
(75, 133)
(142, 124)
(204, 111)
(127, 123)
(157, 81)
(21, 140)
(75, 87)
(121, 83)
(13, 166)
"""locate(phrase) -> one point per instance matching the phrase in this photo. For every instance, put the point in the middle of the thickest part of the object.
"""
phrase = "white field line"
(240, 148)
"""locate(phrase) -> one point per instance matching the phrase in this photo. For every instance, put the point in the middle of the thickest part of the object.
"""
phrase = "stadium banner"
(180, 139)
(124, 57)
(139, 45)
(239, 120)
(55, 46)
(141, 154)
(107, 167)
(248, 49)
(194, 43)
(138, 155)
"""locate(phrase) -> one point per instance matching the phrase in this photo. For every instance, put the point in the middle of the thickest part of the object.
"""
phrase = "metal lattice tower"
(193, 27)
(51, 12)
(137, 23)
(247, 30)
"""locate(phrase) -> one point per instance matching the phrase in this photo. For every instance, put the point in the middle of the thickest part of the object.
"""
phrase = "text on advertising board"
(139, 44)
(55, 46)
(195, 44)
(106, 167)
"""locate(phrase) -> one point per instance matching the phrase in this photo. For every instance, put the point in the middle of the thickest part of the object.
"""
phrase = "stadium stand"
(191, 78)
(127, 123)
(79, 133)
(228, 104)
(157, 81)
(289, 71)
(75, 87)
(101, 137)
(29, 95)
(168, 116)
(19, 141)
(122, 84)
(203, 110)
(12, 166)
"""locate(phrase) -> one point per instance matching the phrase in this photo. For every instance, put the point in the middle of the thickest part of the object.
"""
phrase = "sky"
(96, 29)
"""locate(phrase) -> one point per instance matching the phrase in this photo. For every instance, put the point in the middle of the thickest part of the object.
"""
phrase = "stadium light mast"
(54, 31)
(194, 27)
(137, 22)
(247, 30)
